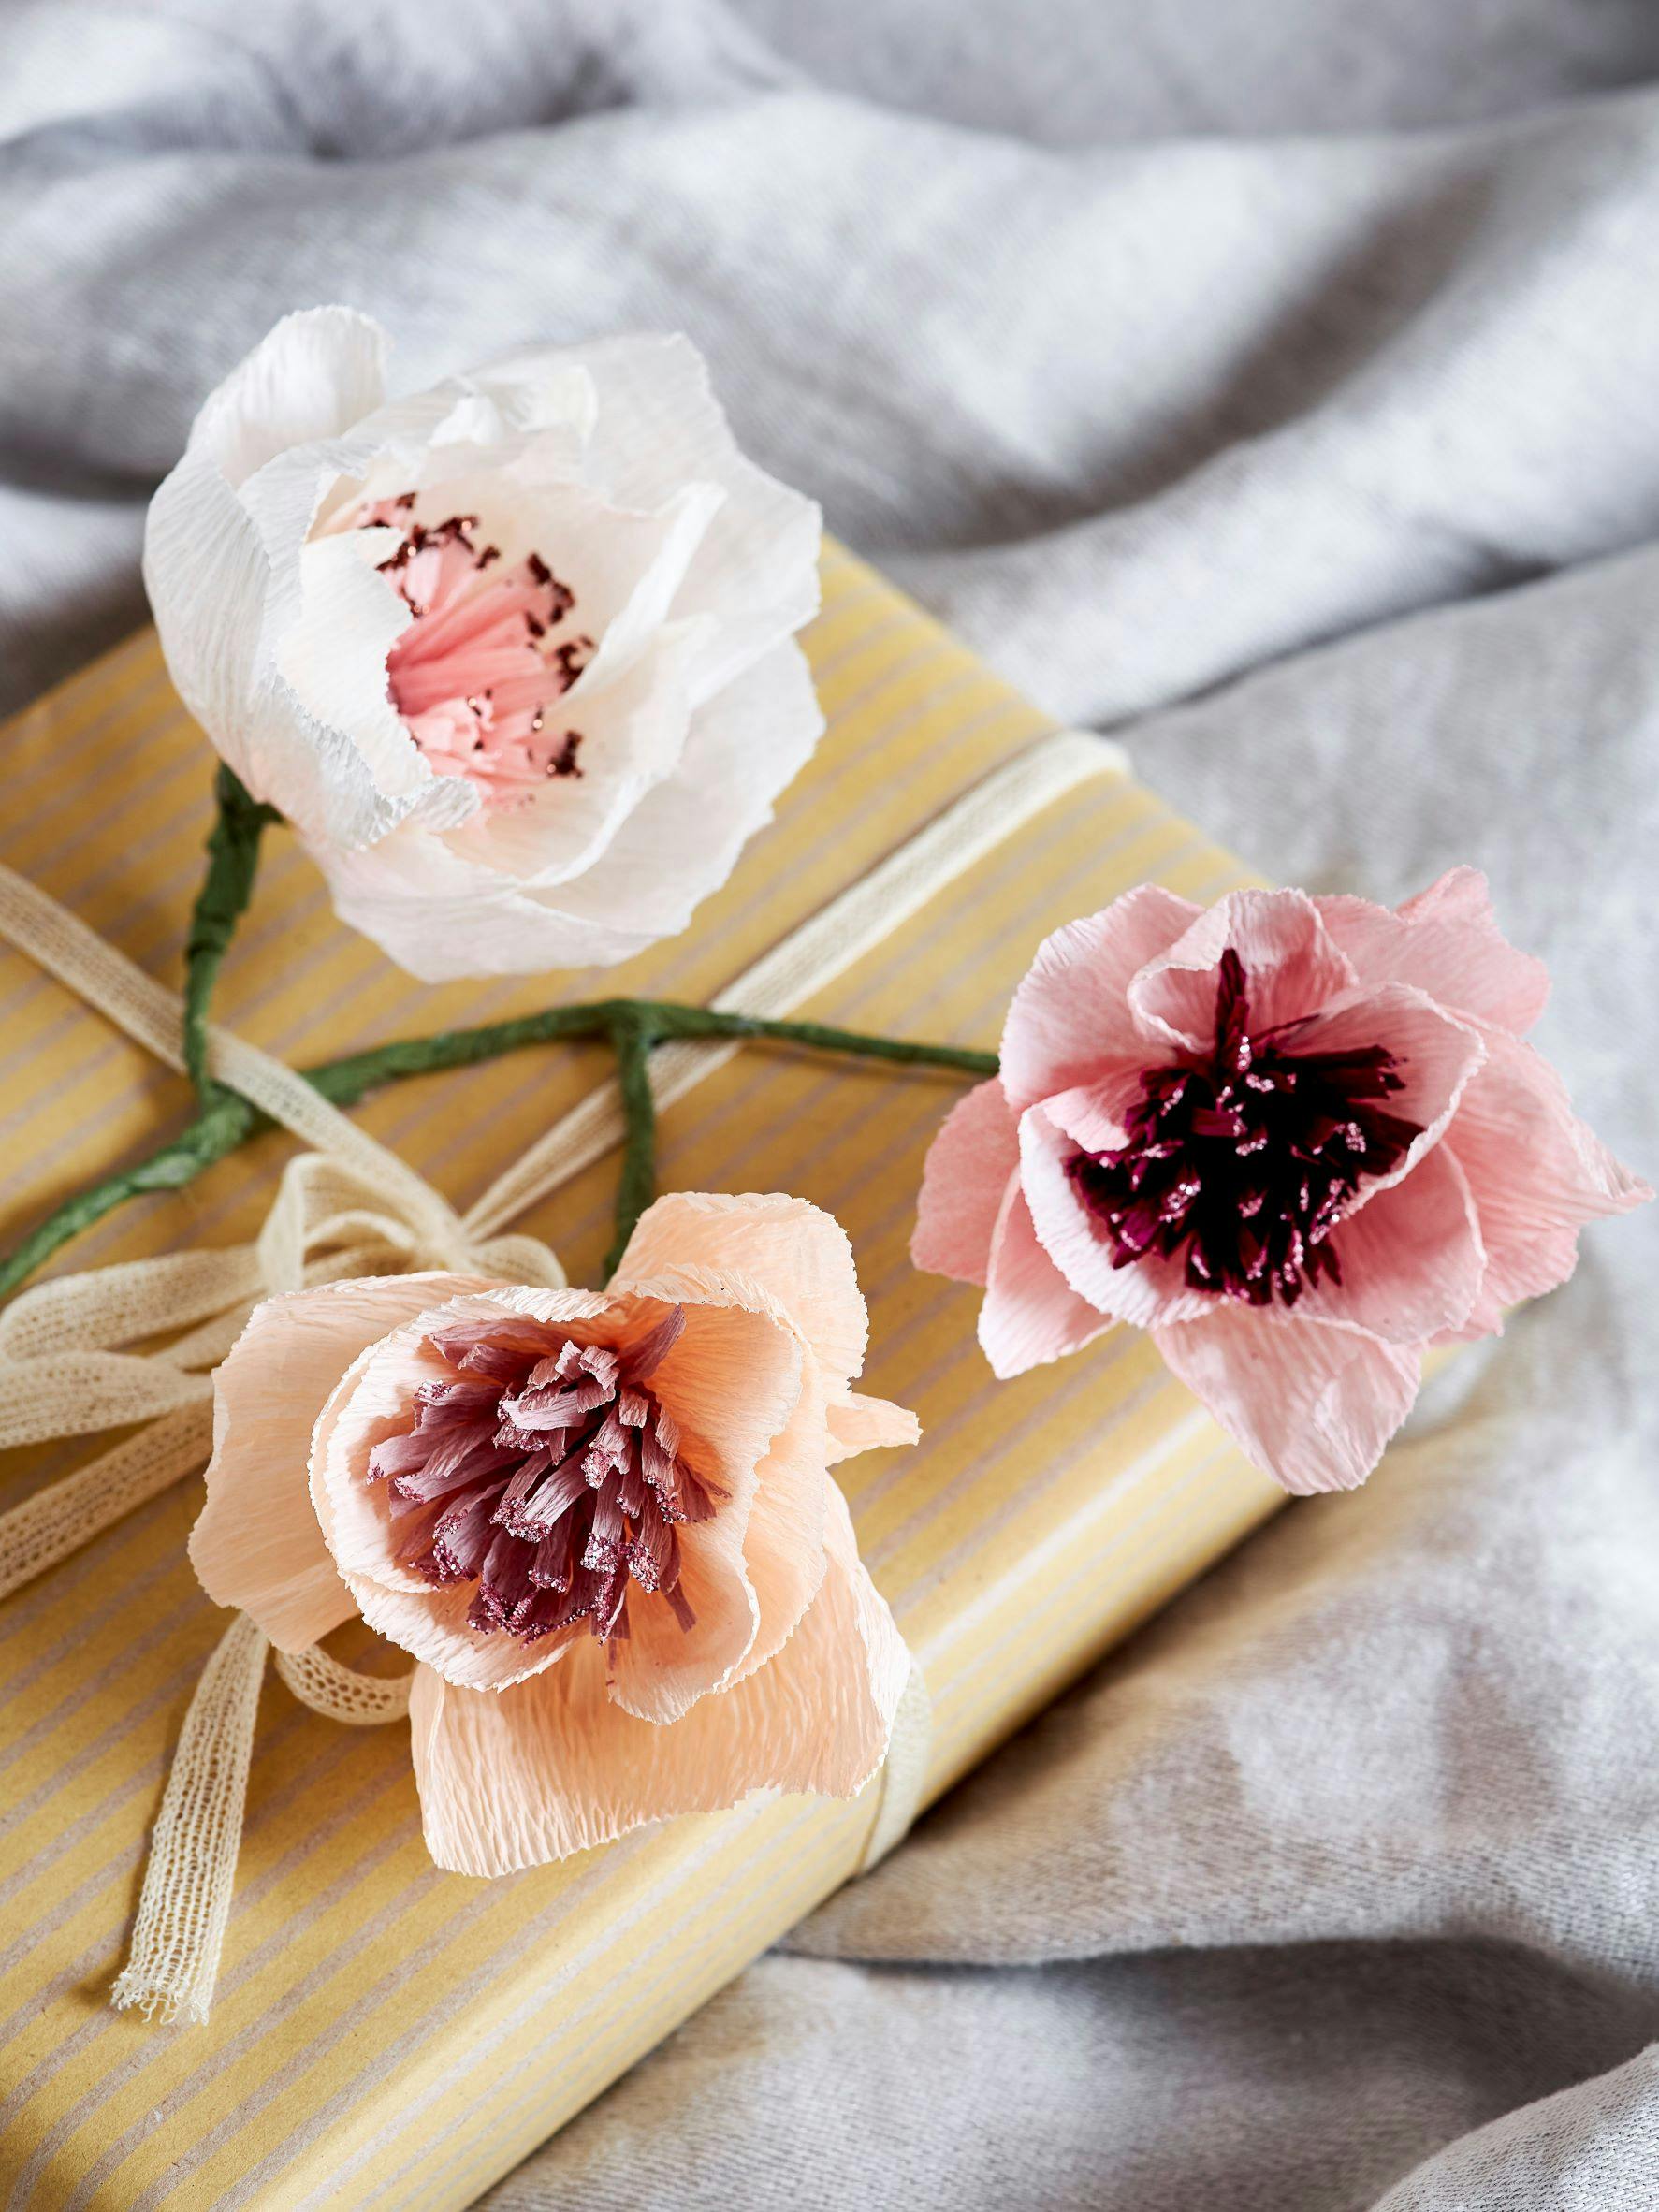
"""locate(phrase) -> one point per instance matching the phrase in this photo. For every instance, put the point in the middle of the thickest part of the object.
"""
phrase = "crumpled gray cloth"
(1275, 385)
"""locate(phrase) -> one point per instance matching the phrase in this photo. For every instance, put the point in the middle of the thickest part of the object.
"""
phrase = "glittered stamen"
(548, 1471)
(1246, 1159)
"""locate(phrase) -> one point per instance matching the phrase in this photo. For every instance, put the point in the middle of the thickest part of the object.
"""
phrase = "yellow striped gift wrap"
(384, 2034)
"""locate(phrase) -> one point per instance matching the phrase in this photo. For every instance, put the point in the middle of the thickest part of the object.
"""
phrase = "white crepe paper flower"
(514, 656)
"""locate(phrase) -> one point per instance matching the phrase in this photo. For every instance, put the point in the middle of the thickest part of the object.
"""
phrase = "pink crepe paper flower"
(601, 1522)
(491, 649)
(1300, 1140)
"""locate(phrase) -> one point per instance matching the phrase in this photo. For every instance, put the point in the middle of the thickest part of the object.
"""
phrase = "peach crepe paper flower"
(601, 1522)
(1300, 1140)
(494, 649)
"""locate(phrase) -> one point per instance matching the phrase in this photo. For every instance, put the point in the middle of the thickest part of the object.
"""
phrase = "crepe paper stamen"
(478, 674)
(1246, 1159)
(547, 1471)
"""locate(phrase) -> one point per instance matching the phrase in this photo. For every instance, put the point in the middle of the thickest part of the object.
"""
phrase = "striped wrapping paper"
(384, 2034)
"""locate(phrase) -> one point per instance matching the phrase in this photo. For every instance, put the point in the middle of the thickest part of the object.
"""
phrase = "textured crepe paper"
(385, 2034)
(614, 455)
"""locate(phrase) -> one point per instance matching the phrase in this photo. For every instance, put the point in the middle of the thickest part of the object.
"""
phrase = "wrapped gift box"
(385, 2034)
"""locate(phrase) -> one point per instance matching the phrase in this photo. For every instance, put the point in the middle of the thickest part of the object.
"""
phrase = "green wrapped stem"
(233, 860)
(636, 1185)
(634, 1025)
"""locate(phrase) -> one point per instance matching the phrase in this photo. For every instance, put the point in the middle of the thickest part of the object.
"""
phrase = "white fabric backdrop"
(1277, 387)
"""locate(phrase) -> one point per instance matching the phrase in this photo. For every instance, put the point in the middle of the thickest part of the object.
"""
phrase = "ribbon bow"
(71, 1364)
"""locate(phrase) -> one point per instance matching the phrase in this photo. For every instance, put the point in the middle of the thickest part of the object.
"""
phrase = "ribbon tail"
(341, 1693)
(173, 1962)
(70, 1512)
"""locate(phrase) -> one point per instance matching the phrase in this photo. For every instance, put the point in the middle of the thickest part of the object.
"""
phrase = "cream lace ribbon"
(68, 1365)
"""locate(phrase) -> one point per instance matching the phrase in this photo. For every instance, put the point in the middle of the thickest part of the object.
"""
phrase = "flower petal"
(857, 1424)
(660, 1670)
(783, 1547)
(731, 1378)
(1031, 1315)
(333, 658)
(1070, 1022)
(1412, 1259)
(222, 567)
(645, 583)
(634, 733)
(1291, 968)
(206, 576)
(657, 427)
(736, 1383)
(442, 916)
(800, 1258)
(517, 428)
(1446, 943)
(1093, 1116)
(749, 1400)
(256, 1542)
(1152, 1288)
(799, 1254)
(743, 746)
(1435, 1056)
(1309, 1404)
(1536, 1171)
(552, 1766)
(969, 1165)
(313, 375)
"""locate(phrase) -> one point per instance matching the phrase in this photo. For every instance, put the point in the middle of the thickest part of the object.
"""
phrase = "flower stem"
(233, 860)
(218, 1129)
(636, 1185)
(226, 1120)
(672, 1020)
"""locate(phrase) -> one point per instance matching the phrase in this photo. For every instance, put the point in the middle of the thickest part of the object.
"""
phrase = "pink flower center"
(1246, 1157)
(478, 674)
(545, 1471)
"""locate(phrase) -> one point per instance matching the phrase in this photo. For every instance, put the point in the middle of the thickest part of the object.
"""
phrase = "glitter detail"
(479, 674)
(1246, 1157)
(548, 1471)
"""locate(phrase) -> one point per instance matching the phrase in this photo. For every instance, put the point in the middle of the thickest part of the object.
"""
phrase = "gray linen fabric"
(1276, 385)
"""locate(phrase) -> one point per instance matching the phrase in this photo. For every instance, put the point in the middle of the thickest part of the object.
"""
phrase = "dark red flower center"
(548, 1471)
(1246, 1159)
